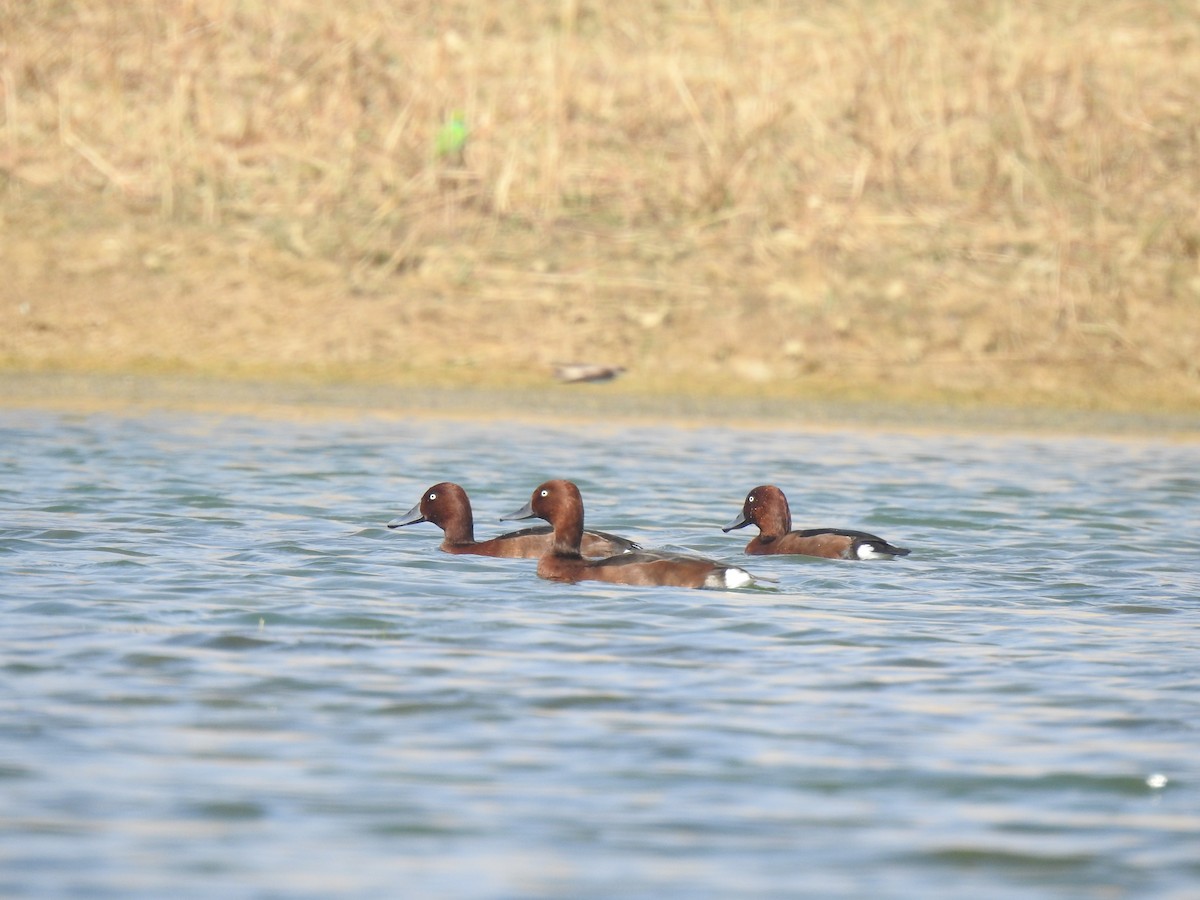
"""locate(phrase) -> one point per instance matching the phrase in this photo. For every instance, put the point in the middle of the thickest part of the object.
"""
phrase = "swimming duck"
(560, 503)
(767, 507)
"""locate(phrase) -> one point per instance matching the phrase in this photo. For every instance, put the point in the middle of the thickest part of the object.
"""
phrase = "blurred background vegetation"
(923, 200)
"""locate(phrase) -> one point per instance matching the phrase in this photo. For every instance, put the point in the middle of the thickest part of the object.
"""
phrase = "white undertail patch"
(866, 551)
(731, 577)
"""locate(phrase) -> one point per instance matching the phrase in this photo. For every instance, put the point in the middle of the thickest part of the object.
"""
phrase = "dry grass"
(994, 201)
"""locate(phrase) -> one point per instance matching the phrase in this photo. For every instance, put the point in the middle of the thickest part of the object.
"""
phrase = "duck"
(447, 506)
(559, 502)
(767, 507)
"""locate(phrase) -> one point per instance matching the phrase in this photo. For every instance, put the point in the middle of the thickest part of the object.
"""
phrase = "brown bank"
(842, 204)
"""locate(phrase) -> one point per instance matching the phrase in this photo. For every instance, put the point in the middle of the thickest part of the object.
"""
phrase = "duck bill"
(412, 517)
(525, 512)
(740, 522)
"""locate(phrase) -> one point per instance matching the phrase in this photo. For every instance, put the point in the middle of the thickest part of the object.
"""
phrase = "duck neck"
(568, 538)
(776, 525)
(460, 529)
(568, 529)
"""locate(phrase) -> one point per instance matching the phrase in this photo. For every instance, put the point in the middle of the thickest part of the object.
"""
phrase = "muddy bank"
(123, 393)
(917, 205)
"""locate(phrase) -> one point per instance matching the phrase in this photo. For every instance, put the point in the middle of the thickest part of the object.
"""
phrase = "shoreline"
(121, 393)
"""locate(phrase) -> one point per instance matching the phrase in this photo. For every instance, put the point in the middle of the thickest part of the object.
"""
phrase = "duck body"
(446, 505)
(767, 507)
(560, 503)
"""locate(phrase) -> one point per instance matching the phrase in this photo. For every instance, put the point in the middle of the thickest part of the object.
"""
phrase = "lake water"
(223, 676)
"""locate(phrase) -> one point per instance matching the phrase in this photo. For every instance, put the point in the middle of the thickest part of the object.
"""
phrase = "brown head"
(559, 503)
(445, 505)
(767, 507)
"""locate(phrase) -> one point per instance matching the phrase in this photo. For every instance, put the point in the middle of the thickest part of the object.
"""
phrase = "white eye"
(433, 496)
(750, 499)
(545, 493)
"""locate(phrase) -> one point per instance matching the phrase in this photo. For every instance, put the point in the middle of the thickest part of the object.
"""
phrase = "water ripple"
(225, 675)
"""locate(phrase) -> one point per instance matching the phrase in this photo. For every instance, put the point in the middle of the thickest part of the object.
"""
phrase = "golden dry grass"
(996, 201)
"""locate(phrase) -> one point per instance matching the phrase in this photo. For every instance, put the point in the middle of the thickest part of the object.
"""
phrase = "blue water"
(221, 675)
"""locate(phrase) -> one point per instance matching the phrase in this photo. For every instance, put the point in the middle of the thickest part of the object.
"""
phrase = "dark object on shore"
(580, 373)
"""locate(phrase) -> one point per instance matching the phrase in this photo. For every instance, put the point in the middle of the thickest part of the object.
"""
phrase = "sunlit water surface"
(223, 676)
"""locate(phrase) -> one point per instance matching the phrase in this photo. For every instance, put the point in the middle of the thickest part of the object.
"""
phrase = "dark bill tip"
(412, 517)
(525, 512)
(740, 522)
